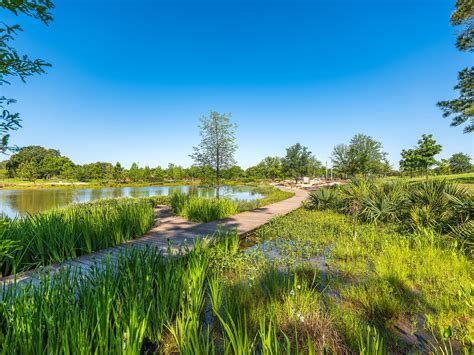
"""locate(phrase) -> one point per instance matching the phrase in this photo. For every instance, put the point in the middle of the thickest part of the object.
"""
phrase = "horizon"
(288, 72)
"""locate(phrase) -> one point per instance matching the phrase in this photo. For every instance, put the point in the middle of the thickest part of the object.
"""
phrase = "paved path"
(174, 230)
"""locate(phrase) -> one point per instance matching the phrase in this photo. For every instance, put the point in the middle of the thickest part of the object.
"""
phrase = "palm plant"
(325, 198)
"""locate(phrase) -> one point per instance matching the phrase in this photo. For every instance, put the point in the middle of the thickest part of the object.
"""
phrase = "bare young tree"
(217, 147)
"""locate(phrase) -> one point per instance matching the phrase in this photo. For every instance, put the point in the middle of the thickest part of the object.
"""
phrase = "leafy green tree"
(443, 167)
(462, 109)
(217, 147)
(460, 163)
(118, 172)
(33, 152)
(421, 158)
(28, 170)
(315, 167)
(54, 166)
(146, 174)
(297, 161)
(272, 167)
(364, 155)
(256, 172)
(16, 65)
(175, 172)
(193, 172)
(409, 161)
(158, 173)
(134, 173)
(233, 173)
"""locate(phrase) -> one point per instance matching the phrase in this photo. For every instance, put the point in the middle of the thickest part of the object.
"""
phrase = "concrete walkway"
(174, 230)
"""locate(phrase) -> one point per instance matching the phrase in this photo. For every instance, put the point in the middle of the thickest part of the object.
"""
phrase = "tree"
(462, 108)
(233, 173)
(256, 172)
(364, 155)
(460, 163)
(14, 65)
(421, 158)
(134, 172)
(217, 147)
(35, 153)
(118, 172)
(272, 167)
(158, 173)
(409, 161)
(297, 161)
(28, 170)
(146, 173)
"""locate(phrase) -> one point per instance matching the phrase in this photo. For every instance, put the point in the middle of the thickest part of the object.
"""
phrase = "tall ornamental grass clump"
(201, 209)
(60, 234)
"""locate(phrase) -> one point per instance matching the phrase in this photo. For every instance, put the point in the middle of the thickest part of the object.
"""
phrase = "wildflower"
(302, 319)
(292, 292)
(298, 287)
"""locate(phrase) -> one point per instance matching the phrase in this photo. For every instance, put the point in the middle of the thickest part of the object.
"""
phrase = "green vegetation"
(421, 158)
(60, 234)
(462, 109)
(15, 65)
(299, 162)
(324, 292)
(433, 206)
(217, 147)
(364, 155)
(201, 209)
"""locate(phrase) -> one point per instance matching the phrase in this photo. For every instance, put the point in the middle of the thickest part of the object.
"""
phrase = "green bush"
(60, 234)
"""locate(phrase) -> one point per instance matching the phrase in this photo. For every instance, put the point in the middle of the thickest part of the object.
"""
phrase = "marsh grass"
(201, 209)
(60, 234)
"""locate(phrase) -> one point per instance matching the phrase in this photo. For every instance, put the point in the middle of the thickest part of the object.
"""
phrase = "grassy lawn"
(465, 180)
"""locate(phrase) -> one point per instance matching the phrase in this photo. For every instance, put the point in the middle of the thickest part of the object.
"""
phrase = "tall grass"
(201, 209)
(107, 311)
(60, 234)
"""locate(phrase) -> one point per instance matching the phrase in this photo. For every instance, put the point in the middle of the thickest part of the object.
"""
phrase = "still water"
(20, 202)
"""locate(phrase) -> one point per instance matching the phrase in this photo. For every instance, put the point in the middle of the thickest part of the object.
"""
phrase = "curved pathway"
(174, 231)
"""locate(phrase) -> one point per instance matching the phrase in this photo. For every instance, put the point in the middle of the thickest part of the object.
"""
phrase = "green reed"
(60, 234)
(201, 209)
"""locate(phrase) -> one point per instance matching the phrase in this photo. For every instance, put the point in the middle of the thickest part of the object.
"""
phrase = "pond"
(20, 202)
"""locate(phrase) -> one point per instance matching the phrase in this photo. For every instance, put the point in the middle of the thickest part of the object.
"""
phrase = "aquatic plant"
(59, 234)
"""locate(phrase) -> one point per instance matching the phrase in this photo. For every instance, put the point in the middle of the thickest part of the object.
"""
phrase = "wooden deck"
(173, 230)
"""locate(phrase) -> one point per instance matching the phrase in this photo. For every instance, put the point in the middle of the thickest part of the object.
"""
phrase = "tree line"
(363, 155)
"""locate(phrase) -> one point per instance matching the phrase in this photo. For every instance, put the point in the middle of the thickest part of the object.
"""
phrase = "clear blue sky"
(131, 78)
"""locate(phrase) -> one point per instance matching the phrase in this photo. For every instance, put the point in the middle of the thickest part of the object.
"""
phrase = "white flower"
(298, 287)
(302, 319)
(292, 292)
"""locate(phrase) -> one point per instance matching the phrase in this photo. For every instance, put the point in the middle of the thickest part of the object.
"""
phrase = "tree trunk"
(218, 183)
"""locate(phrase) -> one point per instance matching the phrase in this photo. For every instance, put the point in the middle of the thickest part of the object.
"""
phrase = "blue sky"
(131, 78)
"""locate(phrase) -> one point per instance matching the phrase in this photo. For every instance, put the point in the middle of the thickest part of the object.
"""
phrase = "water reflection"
(20, 202)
